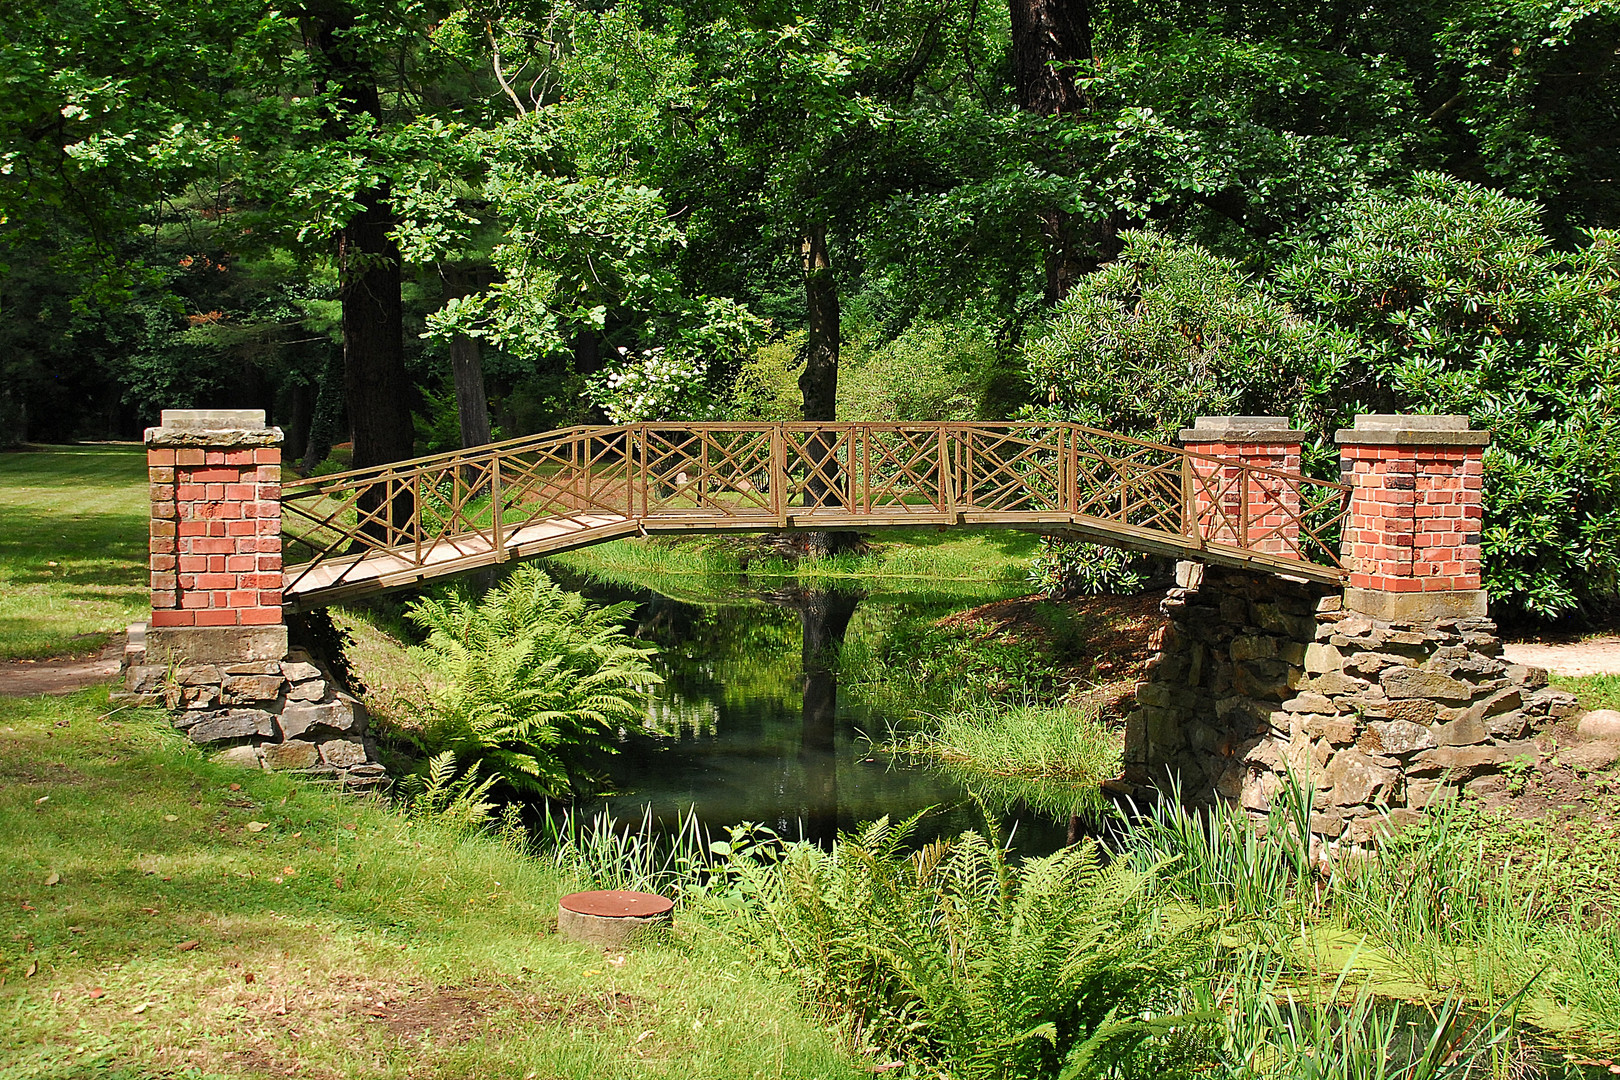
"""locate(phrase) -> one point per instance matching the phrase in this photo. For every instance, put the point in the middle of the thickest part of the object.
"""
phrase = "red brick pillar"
(1411, 542)
(1265, 516)
(215, 542)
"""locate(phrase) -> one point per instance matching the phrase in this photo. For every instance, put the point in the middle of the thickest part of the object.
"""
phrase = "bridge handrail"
(559, 435)
(649, 473)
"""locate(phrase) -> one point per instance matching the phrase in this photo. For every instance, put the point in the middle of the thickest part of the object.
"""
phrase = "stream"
(752, 725)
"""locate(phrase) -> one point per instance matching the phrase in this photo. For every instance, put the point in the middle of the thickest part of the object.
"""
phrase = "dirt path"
(1594, 656)
(24, 678)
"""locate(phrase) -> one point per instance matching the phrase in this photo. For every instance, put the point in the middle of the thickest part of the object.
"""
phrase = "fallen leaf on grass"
(142, 1007)
(236, 787)
(96, 991)
(288, 871)
(53, 878)
(257, 826)
(187, 946)
(150, 910)
(247, 976)
(33, 969)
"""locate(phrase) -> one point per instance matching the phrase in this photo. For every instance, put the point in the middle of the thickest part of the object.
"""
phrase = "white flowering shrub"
(653, 384)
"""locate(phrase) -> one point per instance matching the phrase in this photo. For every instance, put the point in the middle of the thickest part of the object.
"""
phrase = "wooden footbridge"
(410, 522)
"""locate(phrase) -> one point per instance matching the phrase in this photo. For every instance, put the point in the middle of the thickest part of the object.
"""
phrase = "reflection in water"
(824, 616)
(749, 724)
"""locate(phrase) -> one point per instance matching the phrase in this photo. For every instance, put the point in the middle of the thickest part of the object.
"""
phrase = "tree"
(1051, 46)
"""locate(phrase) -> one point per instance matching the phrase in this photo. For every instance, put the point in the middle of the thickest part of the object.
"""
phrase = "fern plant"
(442, 792)
(964, 964)
(537, 681)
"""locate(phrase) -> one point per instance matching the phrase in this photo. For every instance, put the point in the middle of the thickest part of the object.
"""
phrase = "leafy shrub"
(1460, 305)
(931, 371)
(1445, 299)
(536, 681)
(1063, 569)
(956, 960)
(1165, 333)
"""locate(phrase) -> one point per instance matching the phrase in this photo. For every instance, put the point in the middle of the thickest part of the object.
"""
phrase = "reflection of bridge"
(374, 529)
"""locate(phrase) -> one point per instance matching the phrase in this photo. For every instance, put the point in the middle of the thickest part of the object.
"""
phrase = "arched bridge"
(410, 522)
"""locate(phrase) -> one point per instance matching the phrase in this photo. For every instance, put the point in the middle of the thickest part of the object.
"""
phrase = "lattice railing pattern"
(439, 514)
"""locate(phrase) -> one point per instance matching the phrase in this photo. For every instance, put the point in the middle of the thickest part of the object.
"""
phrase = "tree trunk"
(300, 414)
(328, 415)
(466, 365)
(1051, 42)
(374, 378)
(587, 352)
(818, 384)
(376, 384)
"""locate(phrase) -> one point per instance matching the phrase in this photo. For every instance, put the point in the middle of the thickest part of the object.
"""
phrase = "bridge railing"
(465, 508)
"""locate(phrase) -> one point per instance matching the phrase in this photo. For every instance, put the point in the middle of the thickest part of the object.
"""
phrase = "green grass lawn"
(1594, 691)
(164, 916)
(72, 547)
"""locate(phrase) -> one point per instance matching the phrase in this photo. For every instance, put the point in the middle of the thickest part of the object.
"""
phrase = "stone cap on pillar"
(1399, 429)
(213, 427)
(1242, 429)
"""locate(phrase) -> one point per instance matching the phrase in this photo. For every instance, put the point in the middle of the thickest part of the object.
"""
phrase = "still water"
(752, 724)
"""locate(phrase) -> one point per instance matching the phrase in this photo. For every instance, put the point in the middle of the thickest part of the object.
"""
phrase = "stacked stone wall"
(1256, 677)
(285, 714)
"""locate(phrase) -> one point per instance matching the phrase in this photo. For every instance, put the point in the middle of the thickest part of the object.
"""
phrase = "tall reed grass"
(1052, 758)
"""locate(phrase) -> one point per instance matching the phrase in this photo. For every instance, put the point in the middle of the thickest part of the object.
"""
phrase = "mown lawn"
(72, 547)
(164, 916)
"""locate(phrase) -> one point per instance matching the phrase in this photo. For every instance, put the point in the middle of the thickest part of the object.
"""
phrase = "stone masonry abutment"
(1383, 695)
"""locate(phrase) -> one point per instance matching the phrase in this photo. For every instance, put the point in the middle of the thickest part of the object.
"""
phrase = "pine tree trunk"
(375, 382)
